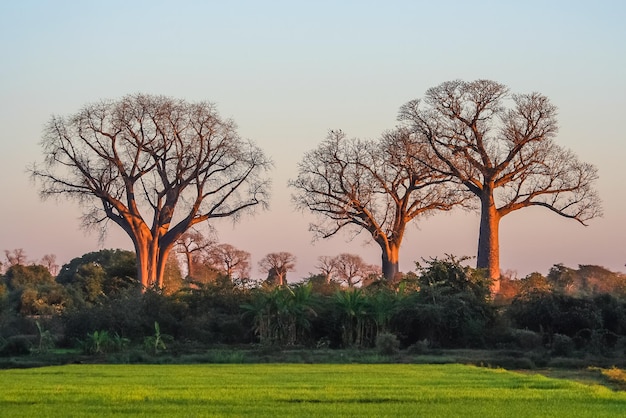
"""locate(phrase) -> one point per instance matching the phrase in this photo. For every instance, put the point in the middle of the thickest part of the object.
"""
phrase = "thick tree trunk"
(390, 259)
(150, 265)
(488, 241)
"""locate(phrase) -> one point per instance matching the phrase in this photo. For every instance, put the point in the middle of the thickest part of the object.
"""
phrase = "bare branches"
(487, 146)
(377, 186)
(504, 155)
(276, 265)
(152, 164)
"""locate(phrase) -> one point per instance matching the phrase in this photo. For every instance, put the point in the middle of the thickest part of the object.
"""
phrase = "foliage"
(555, 313)
(387, 343)
(45, 340)
(16, 346)
(154, 344)
(281, 315)
(98, 275)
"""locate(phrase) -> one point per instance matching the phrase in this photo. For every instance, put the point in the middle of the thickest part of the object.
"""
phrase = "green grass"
(275, 390)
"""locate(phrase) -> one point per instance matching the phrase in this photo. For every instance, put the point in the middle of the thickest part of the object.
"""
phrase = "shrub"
(98, 342)
(16, 346)
(387, 343)
(562, 345)
(526, 339)
(420, 347)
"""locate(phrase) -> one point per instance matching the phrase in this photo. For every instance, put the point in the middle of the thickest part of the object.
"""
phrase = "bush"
(526, 339)
(387, 343)
(16, 346)
(562, 345)
(420, 347)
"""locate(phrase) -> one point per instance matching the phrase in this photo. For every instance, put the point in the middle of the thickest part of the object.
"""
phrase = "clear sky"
(287, 72)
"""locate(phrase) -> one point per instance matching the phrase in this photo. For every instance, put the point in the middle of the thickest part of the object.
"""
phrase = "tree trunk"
(390, 258)
(488, 241)
(150, 267)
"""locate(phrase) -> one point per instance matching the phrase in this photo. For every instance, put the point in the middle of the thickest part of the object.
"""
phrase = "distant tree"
(34, 290)
(20, 276)
(587, 280)
(353, 270)
(276, 265)
(377, 186)
(155, 166)
(230, 260)
(562, 278)
(193, 245)
(100, 274)
(16, 257)
(504, 155)
(534, 283)
(327, 266)
(172, 276)
(49, 261)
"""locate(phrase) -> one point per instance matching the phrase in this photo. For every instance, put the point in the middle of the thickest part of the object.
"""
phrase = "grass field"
(297, 390)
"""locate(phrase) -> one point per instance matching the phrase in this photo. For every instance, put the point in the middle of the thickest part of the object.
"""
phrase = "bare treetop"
(155, 166)
(501, 148)
(276, 265)
(378, 186)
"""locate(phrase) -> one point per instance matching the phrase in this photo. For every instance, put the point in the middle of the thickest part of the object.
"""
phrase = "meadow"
(297, 390)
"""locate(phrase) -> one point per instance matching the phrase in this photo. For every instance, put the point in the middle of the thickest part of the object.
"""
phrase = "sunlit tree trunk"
(488, 240)
(390, 258)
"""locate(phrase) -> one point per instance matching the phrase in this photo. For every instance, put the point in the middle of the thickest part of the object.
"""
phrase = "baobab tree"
(229, 260)
(353, 270)
(155, 166)
(374, 185)
(276, 265)
(193, 245)
(327, 265)
(49, 261)
(500, 147)
(16, 257)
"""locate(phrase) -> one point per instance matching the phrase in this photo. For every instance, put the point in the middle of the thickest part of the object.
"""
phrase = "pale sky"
(287, 72)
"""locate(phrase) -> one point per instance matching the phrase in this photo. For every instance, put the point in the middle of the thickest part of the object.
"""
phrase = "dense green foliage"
(297, 390)
(96, 306)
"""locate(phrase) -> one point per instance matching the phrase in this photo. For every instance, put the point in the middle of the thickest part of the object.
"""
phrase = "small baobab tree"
(155, 166)
(376, 185)
(230, 260)
(327, 266)
(500, 148)
(16, 257)
(351, 269)
(49, 261)
(276, 265)
(193, 245)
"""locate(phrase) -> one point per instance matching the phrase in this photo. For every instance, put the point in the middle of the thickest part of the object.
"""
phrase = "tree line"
(442, 304)
(157, 166)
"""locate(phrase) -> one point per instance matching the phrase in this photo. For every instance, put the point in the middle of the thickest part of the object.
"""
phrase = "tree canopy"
(500, 147)
(378, 186)
(155, 166)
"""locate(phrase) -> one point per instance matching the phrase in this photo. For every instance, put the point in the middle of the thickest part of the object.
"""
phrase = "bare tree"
(376, 186)
(353, 270)
(276, 265)
(155, 166)
(327, 266)
(192, 244)
(230, 260)
(16, 257)
(49, 261)
(504, 155)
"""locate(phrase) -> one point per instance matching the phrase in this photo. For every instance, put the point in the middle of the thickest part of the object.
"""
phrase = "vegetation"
(298, 390)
